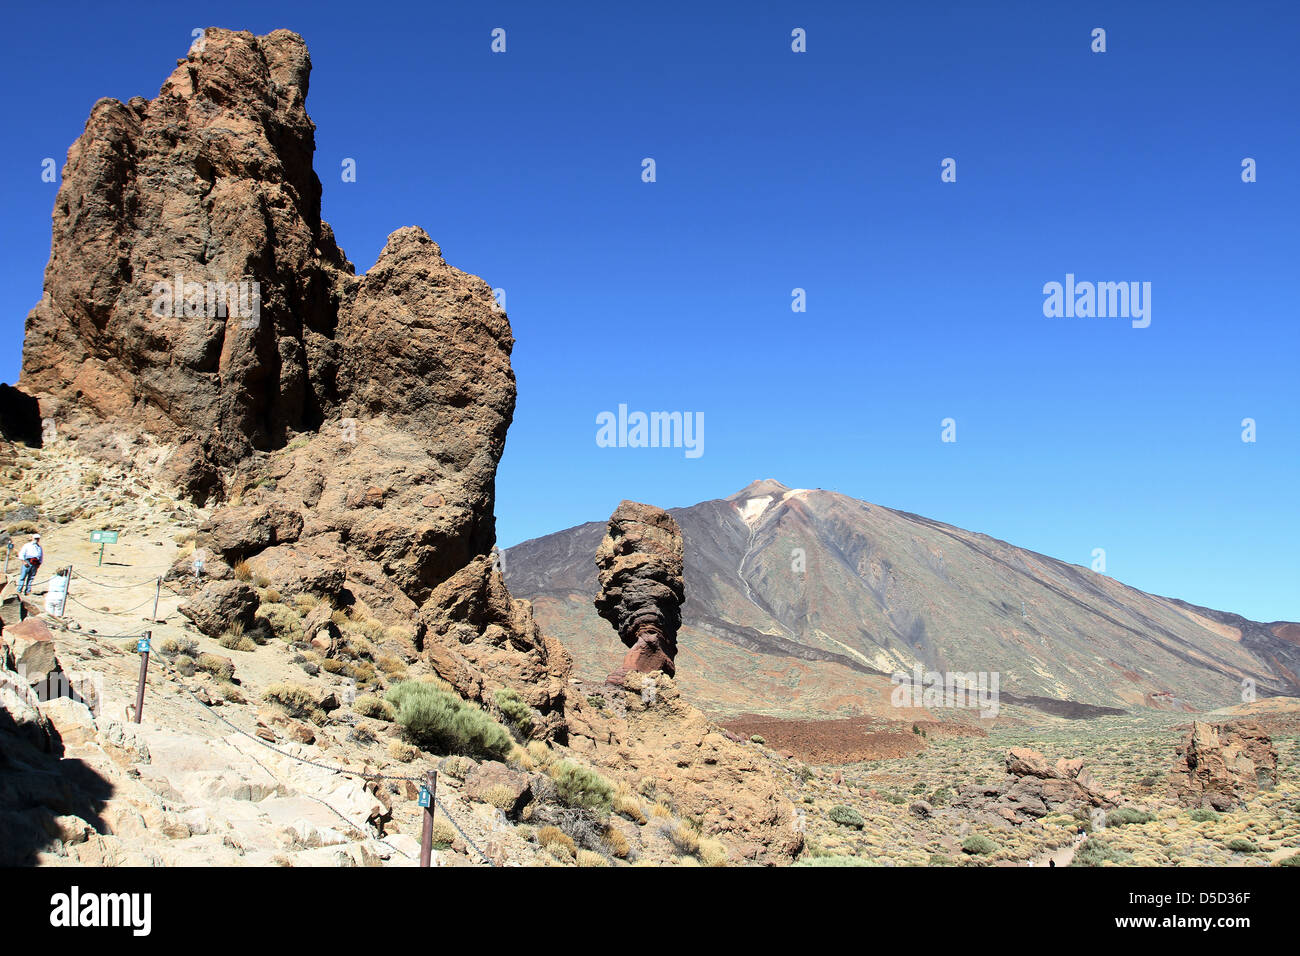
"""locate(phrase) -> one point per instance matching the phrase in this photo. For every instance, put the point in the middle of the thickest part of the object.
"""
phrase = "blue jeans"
(26, 579)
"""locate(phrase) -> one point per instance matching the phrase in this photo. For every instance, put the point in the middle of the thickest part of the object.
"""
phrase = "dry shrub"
(404, 753)
(296, 700)
(554, 836)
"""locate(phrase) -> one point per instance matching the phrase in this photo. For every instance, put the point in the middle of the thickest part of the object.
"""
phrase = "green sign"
(103, 537)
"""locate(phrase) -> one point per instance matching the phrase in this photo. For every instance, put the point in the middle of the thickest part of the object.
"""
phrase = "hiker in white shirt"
(30, 558)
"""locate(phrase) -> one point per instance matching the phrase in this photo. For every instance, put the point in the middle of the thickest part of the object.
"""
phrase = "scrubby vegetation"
(846, 817)
(579, 786)
(296, 700)
(516, 713)
(978, 845)
(441, 722)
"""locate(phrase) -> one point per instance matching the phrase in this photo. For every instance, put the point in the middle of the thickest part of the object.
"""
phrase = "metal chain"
(78, 574)
(103, 637)
(167, 669)
(338, 813)
(463, 835)
(98, 611)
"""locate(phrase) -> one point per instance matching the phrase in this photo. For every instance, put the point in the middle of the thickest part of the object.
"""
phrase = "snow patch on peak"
(752, 509)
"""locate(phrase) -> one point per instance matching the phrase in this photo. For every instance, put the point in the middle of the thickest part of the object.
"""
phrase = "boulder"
(238, 532)
(290, 570)
(488, 775)
(320, 630)
(1022, 762)
(31, 648)
(219, 605)
(1032, 788)
(20, 715)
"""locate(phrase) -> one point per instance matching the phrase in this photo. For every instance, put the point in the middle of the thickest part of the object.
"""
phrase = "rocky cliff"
(200, 319)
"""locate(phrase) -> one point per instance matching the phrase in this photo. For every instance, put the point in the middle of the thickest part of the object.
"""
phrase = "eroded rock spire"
(641, 587)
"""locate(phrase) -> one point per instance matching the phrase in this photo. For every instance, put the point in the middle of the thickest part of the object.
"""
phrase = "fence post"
(63, 611)
(144, 669)
(156, 595)
(427, 800)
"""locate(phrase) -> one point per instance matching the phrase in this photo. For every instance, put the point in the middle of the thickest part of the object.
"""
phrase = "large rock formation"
(1033, 788)
(355, 422)
(209, 182)
(1220, 765)
(641, 586)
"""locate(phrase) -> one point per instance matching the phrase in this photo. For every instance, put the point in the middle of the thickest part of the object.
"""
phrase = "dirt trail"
(1063, 856)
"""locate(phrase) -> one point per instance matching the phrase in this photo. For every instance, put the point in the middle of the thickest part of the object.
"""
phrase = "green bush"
(1095, 852)
(758, 739)
(1203, 815)
(441, 722)
(846, 817)
(285, 623)
(579, 786)
(1292, 860)
(1128, 815)
(978, 845)
(1241, 845)
(517, 713)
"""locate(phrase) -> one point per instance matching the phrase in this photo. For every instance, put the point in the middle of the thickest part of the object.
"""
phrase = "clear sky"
(778, 170)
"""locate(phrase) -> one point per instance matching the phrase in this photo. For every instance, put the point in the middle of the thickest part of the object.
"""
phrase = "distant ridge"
(803, 601)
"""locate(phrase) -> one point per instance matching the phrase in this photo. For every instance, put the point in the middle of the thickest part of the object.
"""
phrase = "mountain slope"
(804, 601)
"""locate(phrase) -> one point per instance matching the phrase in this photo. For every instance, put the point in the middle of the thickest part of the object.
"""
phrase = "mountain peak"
(758, 488)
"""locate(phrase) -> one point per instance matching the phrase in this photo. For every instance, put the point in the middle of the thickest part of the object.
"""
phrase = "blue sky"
(820, 171)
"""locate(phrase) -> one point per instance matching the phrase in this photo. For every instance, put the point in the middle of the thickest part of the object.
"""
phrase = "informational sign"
(425, 797)
(102, 538)
(142, 645)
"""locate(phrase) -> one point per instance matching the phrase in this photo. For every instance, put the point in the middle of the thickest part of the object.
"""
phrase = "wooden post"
(144, 669)
(101, 553)
(63, 611)
(156, 595)
(428, 795)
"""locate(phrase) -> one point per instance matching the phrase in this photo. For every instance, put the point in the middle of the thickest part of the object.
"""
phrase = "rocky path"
(1063, 856)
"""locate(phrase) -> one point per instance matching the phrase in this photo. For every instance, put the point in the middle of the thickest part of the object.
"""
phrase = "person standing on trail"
(30, 558)
(56, 595)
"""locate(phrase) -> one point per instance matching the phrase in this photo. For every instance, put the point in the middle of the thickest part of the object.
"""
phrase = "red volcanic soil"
(844, 740)
(1288, 632)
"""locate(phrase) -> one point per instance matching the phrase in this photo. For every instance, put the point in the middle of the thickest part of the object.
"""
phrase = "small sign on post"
(142, 647)
(426, 800)
(102, 538)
